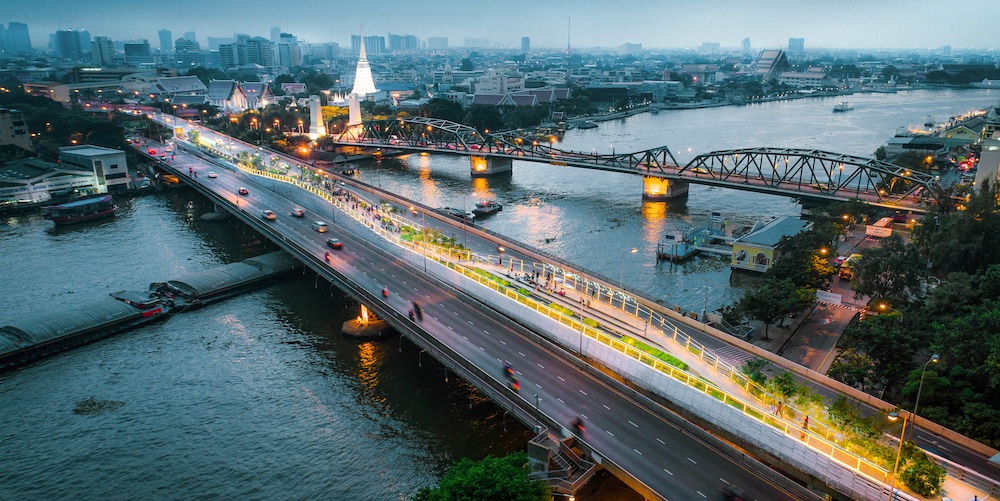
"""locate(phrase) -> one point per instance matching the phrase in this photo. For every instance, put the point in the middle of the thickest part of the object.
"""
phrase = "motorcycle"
(578, 424)
(418, 311)
(508, 370)
(327, 257)
(412, 316)
(385, 292)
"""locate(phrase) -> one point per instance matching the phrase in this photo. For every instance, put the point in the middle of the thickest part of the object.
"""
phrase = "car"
(334, 243)
(298, 212)
(212, 174)
(152, 151)
(243, 191)
(269, 215)
(319, 226)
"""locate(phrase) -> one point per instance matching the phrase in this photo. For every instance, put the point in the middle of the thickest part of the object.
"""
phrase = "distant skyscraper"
(437, 43)
(363, 82)
(16, 39)
(102, 51)
(289, 54)
(276, 34)
(84, 41)
(189, 35)
(525, 44)
(166, 41)
(138, 53)
(797, 46)
(188, 53)
(710, 48)
(631, 49)
(68, 45)
(483, 43)
(746, 47)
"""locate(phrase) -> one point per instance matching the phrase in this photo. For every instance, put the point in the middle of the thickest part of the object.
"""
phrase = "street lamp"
(621, 273)
(883, 307)
(893, 416)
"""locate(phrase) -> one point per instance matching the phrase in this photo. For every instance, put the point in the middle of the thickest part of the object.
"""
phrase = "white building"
(30, 181)
(989, 162)
(496, 81)
(108, 165)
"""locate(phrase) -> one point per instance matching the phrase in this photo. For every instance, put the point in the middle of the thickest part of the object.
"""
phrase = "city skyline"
(652, 23)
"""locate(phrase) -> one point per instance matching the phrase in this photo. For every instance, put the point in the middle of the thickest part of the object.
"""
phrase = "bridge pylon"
(658, 189)
(490, 166)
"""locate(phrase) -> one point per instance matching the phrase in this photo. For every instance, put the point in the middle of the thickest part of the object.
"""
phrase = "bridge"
(815, 175)
(469, 328)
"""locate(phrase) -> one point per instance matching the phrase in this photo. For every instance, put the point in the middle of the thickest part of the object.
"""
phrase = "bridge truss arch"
(415, 132)
(819, 174)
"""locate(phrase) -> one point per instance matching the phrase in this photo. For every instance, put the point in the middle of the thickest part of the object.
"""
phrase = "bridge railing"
(442, 256)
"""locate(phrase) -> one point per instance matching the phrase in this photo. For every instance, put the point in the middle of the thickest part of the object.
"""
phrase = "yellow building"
(755, 251)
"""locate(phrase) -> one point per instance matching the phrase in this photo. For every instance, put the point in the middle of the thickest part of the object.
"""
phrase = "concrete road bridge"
(811, 175)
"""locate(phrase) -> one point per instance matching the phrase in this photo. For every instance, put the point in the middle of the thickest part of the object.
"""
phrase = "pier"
(715, 239)
(32, 338)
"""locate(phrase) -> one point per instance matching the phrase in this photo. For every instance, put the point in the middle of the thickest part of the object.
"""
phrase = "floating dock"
(715, 239)
(41, 335)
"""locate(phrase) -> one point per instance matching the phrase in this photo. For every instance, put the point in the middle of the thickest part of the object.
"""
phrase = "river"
(261, 397)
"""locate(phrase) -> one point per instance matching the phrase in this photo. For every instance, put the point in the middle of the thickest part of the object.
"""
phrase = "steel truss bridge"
(801, 173)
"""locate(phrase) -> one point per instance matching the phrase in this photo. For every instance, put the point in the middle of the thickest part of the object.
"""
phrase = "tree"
(280, 79)
(491, 478)
(466, 65)
(967, 240)
(894, 271)
(206, 75)
(769, 301)
(884, 341)
(483, 117)
(443, 109)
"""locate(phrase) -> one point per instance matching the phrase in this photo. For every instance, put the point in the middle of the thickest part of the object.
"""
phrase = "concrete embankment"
(32, 338)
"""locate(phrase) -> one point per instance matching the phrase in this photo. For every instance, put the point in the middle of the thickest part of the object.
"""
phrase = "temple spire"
(364, 84)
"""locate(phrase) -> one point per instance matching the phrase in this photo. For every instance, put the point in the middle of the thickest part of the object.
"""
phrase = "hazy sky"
(609, 23)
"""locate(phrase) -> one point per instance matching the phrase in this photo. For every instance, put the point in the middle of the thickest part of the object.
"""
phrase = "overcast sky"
(607, 23)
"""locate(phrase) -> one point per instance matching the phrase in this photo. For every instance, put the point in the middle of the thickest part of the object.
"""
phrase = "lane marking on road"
(584, 416)
(693, 461)
(702, 495)
(450, 328)
(540, 366)
(561, 401)
(661, 441)
(538, 385)
(482, 349)
(456, 313)
(520, 353)
(584, 393)
(415, 289)
(435, 318)
(633, 424)
(561, 379)
(503, 342)
(724, 481)
(668, 472)
(426, 296)
(470, 322)
(637, 451)
(465, 337)
(404, 282)
(486, 332)
(609, 433)
(606, 407)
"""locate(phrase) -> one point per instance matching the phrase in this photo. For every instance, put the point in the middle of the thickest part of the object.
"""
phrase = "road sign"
(134, 125)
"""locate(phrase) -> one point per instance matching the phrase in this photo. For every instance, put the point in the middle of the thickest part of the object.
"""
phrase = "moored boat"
(589, 124)
(80, 210)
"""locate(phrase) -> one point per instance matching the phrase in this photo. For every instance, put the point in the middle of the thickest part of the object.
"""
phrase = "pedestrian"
(777, 410)
(588, 303)
(805, 423)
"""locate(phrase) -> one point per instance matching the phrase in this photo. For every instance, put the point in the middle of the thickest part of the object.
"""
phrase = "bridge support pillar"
(489, 166)
(657, 189)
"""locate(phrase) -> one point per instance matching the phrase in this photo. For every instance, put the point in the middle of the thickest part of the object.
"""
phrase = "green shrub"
(524, 292)
(654, 352)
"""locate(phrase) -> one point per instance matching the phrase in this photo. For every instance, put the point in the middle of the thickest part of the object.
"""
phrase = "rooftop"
(771, 233)
(88, 150)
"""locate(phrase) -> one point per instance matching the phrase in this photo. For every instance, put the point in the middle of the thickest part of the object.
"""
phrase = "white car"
(298, 212)
(212, 175)
(269, 215)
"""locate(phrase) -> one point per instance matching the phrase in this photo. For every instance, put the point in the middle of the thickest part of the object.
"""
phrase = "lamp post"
(883, 307)
(621, 272)
(893, 416)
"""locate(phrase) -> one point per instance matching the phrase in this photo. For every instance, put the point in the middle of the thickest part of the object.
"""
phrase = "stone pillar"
(316, 126)
(354, 110)
(489, 166)
(656, 189)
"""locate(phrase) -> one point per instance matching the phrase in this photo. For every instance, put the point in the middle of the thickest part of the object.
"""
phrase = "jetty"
(38, 336)
(716, 239)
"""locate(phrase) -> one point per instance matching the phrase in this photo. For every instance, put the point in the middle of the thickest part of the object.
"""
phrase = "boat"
(589, 124)
(929, 122)
(843, 106)
(80, 210)
(487, 208)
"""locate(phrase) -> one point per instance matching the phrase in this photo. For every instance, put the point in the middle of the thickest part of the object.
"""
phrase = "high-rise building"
(188, 53)
(166, 41)
(276, 34)
(631, 49)
(482, 43)
(745, 47)
(102, 51)
(403, 43)
(289, 54)
(260, 51)
(15, 39)
(189, 35)
(437, 43)
(710, 48)
(323, 51)
(68, 45)
(84, 41)
(138, 53)
(797, 46)
(525, 44)
(229, 55)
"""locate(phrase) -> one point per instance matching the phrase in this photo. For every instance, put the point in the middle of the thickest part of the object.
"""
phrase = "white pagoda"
(364, 84)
